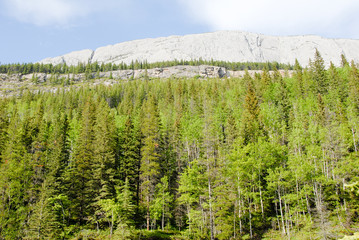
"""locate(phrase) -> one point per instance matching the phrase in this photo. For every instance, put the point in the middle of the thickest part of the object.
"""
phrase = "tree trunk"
(210, 209)
(189, 218)
(260, 195)
(112, 222)
(148, 214)
(287, 219)
(163, 214)
(239, 208)
(250, 219)
(308, 206)
(355, 146)
(234, 223)
(281, 210)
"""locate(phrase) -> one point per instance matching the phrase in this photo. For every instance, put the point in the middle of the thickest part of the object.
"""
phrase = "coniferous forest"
(259, 157)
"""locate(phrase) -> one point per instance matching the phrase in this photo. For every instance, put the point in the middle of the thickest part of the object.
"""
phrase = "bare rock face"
(202, 71)
(72, 58)
(232, 46)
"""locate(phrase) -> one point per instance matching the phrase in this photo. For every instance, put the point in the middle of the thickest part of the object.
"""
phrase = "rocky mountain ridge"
(13, 83)
(231, 46)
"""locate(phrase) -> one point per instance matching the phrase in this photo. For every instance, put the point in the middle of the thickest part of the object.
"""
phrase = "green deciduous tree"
(160, 208)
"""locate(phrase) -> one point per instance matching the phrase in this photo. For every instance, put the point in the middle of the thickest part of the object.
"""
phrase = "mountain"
(232, 46)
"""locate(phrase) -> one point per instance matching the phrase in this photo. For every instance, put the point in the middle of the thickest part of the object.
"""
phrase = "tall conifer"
(149, 153)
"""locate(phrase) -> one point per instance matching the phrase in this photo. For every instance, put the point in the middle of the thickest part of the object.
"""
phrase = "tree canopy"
(264, 156)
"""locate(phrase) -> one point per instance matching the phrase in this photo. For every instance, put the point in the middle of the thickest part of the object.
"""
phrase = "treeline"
(28, 68)
(250, 158)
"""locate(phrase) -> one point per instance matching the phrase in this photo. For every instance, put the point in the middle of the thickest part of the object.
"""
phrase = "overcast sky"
(31, 30)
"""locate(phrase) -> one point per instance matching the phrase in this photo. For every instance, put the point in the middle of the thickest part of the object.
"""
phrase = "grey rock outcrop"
(73, 58)
(13, 84)
(202, 71)
(232, 46)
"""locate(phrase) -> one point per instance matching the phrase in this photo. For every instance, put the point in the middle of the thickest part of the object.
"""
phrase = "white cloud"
(280, 17)
(55, 12)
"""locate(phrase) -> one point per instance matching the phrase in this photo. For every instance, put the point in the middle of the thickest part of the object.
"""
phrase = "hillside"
(12, 84)
(259, 156)
(232, 46)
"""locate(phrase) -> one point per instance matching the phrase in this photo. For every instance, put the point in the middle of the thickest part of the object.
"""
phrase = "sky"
(31, 30)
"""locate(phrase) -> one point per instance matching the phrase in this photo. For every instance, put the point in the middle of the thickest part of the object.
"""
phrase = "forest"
(28, 68)
(259, 157)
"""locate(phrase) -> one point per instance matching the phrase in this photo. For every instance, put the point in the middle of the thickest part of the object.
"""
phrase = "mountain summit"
(232, 46)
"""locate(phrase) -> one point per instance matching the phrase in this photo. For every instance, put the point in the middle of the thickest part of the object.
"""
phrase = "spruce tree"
(4, 123)
(160, 209)
(354, 87)
(284, 102)
(318, 74)
(149, 153)
(130, 156)
(298, 76)
(80, 173)
(15, 179)
(250, 117)
(59, 154)
(104, 145)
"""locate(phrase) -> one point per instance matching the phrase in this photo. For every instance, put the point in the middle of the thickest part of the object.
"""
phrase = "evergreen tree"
(118, 211)
(161, 203)
(104, 145)
(130, 158)
(232, 158)
(4, 123)
(149, 169)
(250, 118)
(354, 87)
(344, 60)
(58, 155)
(284, 102)
(80, 174)
(41, 221)
(319, 74)
(298, 75)
(15, 180)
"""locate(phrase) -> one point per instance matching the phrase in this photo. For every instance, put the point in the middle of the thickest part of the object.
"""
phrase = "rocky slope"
(233, 46)
(13, 84)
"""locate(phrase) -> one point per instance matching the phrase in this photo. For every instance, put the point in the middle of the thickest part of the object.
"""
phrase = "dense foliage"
(28, 68)
(256, 157)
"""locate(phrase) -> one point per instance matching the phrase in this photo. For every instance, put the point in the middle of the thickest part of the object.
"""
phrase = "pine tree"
(336, 87)
(149, 169)
(354, 87)
(162, 201)
(250, 117)
(318, 73)
(321, 110)
(15, 179)
(104, 145)
(129, 156)
(231, 130)
(41, 224)
(284, 102)
(80, 174)
(4, 123)
(58, 155)
(192, 185)
(344, 60)
(125, 201)
(118, 211)
(265, 81)
(298, 75)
